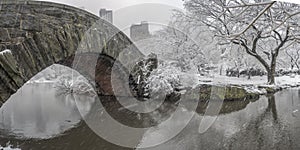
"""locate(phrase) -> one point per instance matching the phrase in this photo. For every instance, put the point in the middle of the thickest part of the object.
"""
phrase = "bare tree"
(262, 28)
(294, 56)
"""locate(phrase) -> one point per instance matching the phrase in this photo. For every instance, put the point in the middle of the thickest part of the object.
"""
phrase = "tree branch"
(252, 4)
(253, 21)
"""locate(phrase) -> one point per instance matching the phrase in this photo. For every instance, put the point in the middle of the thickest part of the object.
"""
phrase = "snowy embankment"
(8, 148)
(255, 84)
(5, 51)
(41, 80)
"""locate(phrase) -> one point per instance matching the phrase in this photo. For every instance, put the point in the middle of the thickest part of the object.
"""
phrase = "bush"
(163, 80)
(76, 85)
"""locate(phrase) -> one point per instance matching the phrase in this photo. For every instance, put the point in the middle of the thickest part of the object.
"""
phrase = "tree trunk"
(221, 69)
(271, 77)
(272, 70)
(272, 107)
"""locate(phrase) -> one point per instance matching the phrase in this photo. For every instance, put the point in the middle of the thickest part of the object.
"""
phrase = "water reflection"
(269, 123)
(272, 107)
(37, 111)
(272, 122)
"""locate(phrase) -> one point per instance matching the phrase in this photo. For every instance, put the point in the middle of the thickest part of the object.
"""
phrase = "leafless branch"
(252, 4)
(253, 21)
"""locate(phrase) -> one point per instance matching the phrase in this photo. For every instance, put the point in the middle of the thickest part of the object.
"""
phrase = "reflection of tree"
(270, 110)
(261, 131)
(272, 107)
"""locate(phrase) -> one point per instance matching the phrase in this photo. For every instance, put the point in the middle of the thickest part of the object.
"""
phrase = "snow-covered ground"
(253, 85)
(5, 51)
(167, 74)
(280, 81)
(41, 80)
(8, 148)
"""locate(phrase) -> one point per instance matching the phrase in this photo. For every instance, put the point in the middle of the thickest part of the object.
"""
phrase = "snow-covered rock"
(9, 147)
(5, 51)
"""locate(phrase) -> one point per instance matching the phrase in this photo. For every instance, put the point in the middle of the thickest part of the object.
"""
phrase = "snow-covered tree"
(171, 44)
(163, 80)
(293, 54)
(68, 84)
(262, 28)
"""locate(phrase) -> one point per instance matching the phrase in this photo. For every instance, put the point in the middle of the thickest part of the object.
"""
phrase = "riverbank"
(9, 147)
(238, 88)
(258, 84)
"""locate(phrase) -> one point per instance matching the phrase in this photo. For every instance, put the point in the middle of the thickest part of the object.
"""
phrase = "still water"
(38, 118)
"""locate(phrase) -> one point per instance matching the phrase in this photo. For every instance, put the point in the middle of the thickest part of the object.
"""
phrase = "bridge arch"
(35, 35)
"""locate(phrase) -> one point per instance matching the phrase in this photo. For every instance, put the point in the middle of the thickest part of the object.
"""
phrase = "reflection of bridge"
(36, 35)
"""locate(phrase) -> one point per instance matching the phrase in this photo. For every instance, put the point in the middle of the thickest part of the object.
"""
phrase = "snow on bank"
(288, 81)
(5, 51)
(254, 85)
(8, 148)
(41, 81)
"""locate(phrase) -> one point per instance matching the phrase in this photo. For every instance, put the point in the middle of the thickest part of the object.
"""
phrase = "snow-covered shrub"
(286, 72)
(163, 80)
(5, 52)
(77, 85)
(141, 72)
(8, 147)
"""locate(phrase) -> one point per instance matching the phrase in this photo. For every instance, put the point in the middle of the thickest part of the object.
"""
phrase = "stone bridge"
(35, 35)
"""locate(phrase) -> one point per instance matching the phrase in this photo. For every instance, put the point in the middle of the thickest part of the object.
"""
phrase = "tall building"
(106, 15)
(139, 31)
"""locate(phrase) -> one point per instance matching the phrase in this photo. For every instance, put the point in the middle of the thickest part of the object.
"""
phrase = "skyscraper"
(139, 31)
(106, 15)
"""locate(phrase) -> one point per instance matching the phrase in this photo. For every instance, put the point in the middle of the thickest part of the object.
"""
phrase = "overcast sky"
(127, 12)
(94, 5)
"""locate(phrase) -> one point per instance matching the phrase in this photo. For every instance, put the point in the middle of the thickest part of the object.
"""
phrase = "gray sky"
(158, 15)
(127, 12)
(94, 5)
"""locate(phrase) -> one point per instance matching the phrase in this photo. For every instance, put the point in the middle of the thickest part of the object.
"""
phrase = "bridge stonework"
(39, 34)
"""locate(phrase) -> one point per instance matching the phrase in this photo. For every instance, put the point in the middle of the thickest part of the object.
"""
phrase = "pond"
(38, 118)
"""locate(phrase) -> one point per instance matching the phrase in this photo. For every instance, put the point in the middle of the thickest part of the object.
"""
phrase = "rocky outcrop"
(234, 98)
(39, 34)
(227, 93)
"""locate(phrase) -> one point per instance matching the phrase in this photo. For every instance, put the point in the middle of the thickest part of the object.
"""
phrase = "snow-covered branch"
(262, 29)
(234, 36)
(250, 4)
